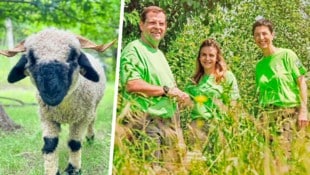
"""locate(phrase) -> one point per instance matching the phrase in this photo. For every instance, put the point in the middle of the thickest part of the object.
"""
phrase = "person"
(149, 85)
(214, 90)
(281, 87)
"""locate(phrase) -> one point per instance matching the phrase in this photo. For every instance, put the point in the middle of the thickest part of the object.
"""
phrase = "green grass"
(238, 148)
(21, 150)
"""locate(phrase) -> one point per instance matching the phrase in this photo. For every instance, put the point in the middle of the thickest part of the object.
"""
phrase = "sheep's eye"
(31, 58)
(72, 55)
(70, 60)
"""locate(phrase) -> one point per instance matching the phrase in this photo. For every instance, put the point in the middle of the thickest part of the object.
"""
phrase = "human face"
(208, 58)
(263, 37)
(154, 28)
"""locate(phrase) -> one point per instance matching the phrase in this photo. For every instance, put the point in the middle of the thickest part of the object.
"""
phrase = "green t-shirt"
(207, 92)
(276, 79)
(140, 61)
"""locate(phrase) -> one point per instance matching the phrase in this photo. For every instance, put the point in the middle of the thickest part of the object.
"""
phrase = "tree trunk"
(9, 37)
(9, 33)
(6, 124)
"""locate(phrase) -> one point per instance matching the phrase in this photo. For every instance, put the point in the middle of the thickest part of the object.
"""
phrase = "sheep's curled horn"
(85, 44)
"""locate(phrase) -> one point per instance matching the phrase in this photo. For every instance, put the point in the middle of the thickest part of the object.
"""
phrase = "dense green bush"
(183, 51)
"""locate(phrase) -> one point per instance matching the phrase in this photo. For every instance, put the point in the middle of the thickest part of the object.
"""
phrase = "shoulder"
(131, 46)
(290, 53)
(286, 50)
(131, 50)
(229, 74)
(230, 77)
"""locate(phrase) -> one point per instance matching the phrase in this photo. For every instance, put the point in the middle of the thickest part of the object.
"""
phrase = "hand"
(181, 96)
(174, 92)
(187, 103)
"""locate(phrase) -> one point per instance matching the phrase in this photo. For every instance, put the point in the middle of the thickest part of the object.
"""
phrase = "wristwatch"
(166, 89)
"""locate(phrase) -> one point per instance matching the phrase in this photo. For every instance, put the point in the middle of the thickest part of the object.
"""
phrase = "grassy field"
(21, 150)
(235, 145)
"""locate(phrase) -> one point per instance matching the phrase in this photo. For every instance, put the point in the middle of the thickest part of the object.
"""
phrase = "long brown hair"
(220, 65)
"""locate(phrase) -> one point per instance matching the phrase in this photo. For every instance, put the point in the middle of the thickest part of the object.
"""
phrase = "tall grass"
(235, 144)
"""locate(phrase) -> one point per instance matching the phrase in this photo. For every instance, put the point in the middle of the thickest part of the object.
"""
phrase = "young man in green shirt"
(148, 84)
(281, 85)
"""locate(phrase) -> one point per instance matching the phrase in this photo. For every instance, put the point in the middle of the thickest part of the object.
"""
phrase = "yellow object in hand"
(200, 98)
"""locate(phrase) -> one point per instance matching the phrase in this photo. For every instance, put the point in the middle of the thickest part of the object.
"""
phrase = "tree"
(93, 19)
(7, 124)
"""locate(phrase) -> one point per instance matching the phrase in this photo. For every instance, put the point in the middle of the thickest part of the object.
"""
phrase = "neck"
(209, 71)
(270, 50)
(150, 42)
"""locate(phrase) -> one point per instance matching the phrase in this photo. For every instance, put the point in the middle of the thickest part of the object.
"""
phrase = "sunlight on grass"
(234, 145)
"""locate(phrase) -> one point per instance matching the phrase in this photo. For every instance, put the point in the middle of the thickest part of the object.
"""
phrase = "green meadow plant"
(235, 144)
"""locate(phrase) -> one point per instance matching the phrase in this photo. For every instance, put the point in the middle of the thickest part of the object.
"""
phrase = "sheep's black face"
(53, 78)
(53, 81)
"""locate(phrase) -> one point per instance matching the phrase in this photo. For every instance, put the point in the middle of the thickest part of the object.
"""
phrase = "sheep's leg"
(50, 136)
(90, 132)
(77, 131)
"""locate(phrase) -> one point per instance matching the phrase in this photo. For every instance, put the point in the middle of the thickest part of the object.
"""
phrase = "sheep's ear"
(86, 69)
(17, 73)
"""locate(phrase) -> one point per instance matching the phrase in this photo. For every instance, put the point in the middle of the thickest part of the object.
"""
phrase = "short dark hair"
(263, 22)
(148, 9)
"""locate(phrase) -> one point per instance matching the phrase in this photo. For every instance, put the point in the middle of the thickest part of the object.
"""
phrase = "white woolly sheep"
(70, 85)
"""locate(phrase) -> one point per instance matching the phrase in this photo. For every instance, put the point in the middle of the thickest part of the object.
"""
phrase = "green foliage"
(183, 51)
(234, 144)
(96, 20)
(93, 19)
(238, 146)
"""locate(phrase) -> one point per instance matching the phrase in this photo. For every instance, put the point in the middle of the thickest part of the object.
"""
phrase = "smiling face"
(263, 37)
(153, 28)
(208, 59)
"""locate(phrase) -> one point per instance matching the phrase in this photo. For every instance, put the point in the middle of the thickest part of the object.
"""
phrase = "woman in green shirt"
(214, 88)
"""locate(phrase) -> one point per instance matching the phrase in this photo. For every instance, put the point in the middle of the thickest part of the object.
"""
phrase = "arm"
(140, 86)
(303, 112)
(234, 89)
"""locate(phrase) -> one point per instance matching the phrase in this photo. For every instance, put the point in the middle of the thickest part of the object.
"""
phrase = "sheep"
(69, 84)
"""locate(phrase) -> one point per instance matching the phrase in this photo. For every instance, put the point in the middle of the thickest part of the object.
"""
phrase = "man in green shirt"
(148, 84)
(281, 85)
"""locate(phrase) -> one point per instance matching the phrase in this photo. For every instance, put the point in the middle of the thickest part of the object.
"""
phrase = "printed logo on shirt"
(263, 81)
(298, 63)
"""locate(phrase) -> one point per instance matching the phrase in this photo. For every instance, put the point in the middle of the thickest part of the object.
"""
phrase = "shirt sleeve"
(232, 81)
(129, 66)
(298, 69)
